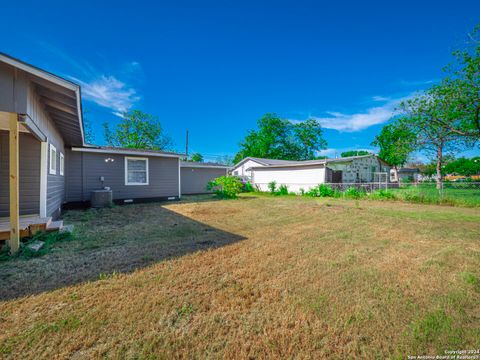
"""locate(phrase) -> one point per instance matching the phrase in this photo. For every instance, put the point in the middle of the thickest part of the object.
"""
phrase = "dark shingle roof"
(115, 148)
(201, 164)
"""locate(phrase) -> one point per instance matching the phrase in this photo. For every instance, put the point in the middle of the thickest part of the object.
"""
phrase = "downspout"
(325, 172)
(179, 180)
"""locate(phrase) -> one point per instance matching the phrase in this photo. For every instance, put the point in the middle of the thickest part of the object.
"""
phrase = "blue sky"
(216, 67)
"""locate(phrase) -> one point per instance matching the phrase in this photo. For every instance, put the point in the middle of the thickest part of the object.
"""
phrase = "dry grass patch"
(307, 278)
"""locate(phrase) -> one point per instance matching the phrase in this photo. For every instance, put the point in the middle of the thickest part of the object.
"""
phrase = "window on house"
(62, 164)
(136, 171)
(53, 159)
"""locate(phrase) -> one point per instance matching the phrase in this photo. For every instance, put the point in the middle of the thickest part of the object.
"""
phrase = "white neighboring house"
(242, 169)
(297, 175)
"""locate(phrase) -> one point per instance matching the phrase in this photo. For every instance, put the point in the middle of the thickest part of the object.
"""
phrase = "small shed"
(196, 175)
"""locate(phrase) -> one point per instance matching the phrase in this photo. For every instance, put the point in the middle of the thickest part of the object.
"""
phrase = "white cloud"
(330, 152)
(109, 92)
(417, 82)
(380, 98)
(361, 120)
(106, 90)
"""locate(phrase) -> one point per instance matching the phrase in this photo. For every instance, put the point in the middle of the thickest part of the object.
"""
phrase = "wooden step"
(36, 225)
(28, 226)
(55, 225)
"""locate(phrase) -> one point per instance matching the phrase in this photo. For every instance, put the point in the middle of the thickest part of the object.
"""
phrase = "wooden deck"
(29, 225)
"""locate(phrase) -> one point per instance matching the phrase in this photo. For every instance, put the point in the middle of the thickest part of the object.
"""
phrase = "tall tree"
(87, 128)
(278, 138)
(138, 130)
(396, 142)
(463, 86)
(308, 138)
(430, 117)
(354, 153)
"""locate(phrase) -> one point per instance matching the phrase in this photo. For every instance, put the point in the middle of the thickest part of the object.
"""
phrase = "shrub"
(313, 192)
(321, 190)
(272, 186)
(282, 190)
(353, 193)
(383, 194)
(325, 190)
(227, 187)
(248, 187)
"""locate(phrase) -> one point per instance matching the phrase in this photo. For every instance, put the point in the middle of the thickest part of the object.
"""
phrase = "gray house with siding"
(45, 164)
(133, 175)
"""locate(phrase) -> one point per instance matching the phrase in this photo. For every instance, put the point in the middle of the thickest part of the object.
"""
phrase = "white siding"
(242, 169)
(295, 178)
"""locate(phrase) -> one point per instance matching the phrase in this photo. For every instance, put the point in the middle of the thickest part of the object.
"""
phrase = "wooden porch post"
(14, 201)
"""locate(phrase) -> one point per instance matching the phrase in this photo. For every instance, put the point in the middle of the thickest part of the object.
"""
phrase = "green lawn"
(460, 195)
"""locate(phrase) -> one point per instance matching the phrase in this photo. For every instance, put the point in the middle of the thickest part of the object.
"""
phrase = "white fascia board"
(79, 111)
(125, 152)
(285, 166)
(38, 72)
(245, 160)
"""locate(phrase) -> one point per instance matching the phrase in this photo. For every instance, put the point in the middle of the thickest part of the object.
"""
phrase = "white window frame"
(52, 156)
(126, 170)
(62, 164)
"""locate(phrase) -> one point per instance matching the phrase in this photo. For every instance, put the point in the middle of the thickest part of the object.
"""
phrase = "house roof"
(60, 98)
(303, 163)
(126, 151)
(212, 165)
(263, 161)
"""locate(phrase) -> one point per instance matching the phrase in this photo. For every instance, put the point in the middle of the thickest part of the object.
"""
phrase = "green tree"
(308, 139)
(421, 116)
(196, 157)
(138, 130)
(463, 166)
(354, 153)
(463, 84)
(87, 129)
(278, 138)
(396, 142)
(226, 160)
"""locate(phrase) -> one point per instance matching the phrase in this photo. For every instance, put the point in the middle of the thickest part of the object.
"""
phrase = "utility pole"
(186, 144)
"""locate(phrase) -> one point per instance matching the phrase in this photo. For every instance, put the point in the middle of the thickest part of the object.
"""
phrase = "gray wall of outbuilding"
(84, 170)
(195, 179)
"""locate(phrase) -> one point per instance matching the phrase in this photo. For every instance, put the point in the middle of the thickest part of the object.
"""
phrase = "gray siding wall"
(55, 182)
(18, 95)
(195, 180)
(29, 173)
(85, 169)
(73, 176)
(13, 90)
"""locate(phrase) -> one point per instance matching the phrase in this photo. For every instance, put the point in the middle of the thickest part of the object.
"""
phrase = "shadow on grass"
(186, 199)
(121, 239)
